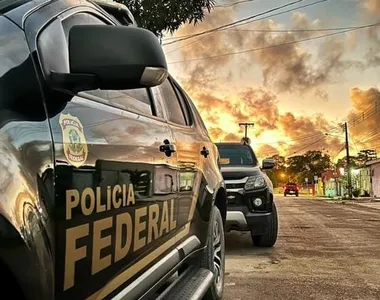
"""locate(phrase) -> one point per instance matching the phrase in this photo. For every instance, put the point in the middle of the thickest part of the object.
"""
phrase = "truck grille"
(235, 185)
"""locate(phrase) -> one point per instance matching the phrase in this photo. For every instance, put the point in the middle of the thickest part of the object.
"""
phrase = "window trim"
(105, 101)
(172, 83)
(183, 101)
(102, 101)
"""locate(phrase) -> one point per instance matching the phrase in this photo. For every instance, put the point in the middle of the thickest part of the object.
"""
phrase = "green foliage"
(299, 167)
(356, 192)
(272, 176)
(279, 168)
(161, 15)
(355, 162)
(308, 165)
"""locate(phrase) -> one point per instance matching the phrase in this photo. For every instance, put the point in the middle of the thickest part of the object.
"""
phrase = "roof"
(231, 144)
(372, 162)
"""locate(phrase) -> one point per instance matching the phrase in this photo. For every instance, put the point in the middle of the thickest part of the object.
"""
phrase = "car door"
(115, 181)
(193, 146)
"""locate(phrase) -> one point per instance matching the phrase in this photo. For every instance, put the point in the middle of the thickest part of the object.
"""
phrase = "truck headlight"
(255, 182)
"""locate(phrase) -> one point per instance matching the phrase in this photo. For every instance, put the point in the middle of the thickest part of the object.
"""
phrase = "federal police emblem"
(74, 140)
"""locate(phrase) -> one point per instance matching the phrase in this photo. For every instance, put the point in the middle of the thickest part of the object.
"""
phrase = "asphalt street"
(324, 251)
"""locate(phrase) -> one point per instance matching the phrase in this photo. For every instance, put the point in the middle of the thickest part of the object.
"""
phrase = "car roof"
(117, 10)
(231, 144)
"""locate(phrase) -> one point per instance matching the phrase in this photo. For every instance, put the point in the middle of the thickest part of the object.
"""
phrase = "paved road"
(324, 251)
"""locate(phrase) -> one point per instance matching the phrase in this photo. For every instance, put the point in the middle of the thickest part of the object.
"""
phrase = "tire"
(270, 237)
(209, 261)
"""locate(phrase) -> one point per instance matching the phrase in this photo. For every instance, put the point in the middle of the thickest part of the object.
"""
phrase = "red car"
(291, 189)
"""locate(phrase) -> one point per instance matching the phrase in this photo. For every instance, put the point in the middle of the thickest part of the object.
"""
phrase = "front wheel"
(213, 257)
(269, 238)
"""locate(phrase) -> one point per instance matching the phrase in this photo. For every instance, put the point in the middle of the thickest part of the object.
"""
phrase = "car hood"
(239, 172)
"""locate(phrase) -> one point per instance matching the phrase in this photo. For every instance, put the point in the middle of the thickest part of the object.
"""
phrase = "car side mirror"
(268, 164)
(112, 58)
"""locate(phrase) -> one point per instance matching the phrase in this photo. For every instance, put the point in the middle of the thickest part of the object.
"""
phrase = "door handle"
(168, 148)
(205, 152)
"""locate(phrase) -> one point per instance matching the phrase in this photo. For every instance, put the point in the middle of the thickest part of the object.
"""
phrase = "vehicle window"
(183, 104)
(169, 97)
(236, 155)
(136, 100)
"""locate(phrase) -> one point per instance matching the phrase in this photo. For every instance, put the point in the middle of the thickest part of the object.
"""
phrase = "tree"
(367, 154)
(161, 15)
(312, 163)
(279, 169)
(355, 162)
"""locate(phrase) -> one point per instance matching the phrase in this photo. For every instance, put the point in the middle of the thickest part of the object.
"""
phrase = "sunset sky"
(294, 93)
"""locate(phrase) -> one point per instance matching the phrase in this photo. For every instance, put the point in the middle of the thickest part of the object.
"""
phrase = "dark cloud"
(204, 73)
(372, 57)
(291, 67)
(322, 94)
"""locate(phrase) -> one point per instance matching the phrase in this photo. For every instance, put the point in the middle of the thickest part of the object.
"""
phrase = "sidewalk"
(355, 199)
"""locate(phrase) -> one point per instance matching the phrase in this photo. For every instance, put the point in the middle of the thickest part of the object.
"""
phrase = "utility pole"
(246, 125)
(345, 126)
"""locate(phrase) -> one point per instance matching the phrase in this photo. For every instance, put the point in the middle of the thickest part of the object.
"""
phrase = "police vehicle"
(250, 201)
(109, 181)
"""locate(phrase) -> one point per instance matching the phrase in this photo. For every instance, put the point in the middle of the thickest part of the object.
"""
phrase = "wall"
(376, 179)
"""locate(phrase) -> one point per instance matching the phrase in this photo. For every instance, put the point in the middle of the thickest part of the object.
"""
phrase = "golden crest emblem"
(74, 140)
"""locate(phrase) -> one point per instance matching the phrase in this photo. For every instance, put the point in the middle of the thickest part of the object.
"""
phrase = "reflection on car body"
(91, 207)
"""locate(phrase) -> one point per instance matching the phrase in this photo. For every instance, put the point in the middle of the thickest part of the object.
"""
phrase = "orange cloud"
(291, 68)
(365, 116)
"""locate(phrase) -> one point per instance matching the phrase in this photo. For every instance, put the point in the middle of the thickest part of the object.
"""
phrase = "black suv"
(109, 181)
(250, 202)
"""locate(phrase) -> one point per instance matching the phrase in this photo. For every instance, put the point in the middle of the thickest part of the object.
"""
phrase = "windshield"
(237, 155)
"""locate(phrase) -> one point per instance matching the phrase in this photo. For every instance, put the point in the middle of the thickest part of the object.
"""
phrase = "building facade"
(374, 166)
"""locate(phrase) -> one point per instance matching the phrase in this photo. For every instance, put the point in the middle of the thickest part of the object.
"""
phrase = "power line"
(336, 155)
(303, 147)
(354, 143)
(233, 4)
(298, 30)
(233, 23)
(271, 31)
(307, 146)
(369, 136)
(365, 115)
(272, 46)
(188, 44)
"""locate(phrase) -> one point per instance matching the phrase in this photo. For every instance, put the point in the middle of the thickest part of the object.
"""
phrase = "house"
(374, 166)
(361, 181)
(331, 184)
